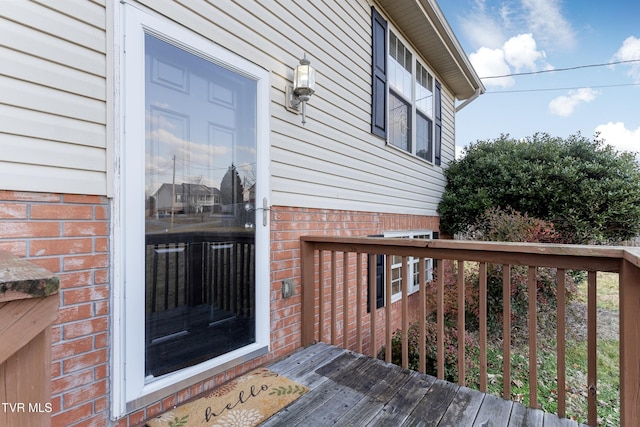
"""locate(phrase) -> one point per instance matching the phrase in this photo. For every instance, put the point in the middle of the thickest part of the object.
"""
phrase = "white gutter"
(470, 99)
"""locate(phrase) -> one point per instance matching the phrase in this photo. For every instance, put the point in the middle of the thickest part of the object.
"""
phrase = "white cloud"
(546, 22)
(617, 135)
(491, 62)
(565, 104)
(521, 52)
(630, 50)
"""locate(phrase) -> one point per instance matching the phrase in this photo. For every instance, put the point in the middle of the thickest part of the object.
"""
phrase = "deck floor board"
(350, 389)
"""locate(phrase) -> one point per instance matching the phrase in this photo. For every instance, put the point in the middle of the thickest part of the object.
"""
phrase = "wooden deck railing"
(323, 258)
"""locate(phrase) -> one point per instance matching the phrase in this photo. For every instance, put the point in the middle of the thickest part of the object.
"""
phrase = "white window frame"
(410, 99)
(131, 390)
(412, 263)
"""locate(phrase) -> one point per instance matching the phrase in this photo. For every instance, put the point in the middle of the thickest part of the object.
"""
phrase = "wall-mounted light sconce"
(304, 82)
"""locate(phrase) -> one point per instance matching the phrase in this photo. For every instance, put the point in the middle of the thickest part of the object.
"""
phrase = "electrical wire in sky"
(562, 69)
(562, 88)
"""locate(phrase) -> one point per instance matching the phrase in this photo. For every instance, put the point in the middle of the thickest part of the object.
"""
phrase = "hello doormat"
(245, 401)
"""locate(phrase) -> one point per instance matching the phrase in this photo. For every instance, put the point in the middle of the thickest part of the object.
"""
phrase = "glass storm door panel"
(200, 176)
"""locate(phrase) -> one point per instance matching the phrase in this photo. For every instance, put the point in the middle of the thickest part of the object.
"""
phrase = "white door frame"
(130, 389)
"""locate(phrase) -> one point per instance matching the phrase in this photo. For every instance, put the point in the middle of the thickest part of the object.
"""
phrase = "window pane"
(424, 138)
(424, 90)
(399, 66)
(399, 123)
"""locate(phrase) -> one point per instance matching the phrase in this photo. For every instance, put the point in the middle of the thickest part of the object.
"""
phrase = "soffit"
(423, 23)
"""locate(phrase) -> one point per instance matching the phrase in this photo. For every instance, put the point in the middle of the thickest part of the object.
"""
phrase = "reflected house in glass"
(170, 182)
(185, 198)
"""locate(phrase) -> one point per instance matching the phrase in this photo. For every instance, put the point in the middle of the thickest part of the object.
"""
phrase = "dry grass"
(607, 291)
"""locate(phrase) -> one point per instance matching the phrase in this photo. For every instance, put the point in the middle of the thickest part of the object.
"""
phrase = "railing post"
(29, 303)
(308, 292)
(629, 344)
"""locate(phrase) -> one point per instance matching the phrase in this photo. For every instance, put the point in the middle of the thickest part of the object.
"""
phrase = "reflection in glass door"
(200, 178)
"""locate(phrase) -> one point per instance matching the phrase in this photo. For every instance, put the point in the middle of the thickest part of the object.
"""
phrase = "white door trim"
(130, 389)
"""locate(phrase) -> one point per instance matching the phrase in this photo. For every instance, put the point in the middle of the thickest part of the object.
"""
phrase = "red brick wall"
(287, 225)
(69, 235)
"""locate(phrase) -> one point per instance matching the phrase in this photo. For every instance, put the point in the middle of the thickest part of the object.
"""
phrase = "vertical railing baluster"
(506, 331)
(560, 338)
(235, 270)
(166, 279)
(154, 284)
(345, 299)
(372, 304)
(359, 302)
(483, 326)
(176, 277)
(405, 311)
(592, 341)
(440, 319)
(321, 290)
(422, 313)
(533, 341)
(461, 324)
(387, 309)
(307, 257)
(334, 297)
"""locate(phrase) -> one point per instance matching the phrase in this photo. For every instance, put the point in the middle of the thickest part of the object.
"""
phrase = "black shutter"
(379, 75)
(379, 280)
(437, 143)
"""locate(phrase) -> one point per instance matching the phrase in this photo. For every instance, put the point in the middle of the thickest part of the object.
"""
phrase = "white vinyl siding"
(56, 53)
(53, 107)
(333, 161)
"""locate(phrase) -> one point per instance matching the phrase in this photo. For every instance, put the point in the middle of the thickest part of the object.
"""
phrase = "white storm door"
(195, 180)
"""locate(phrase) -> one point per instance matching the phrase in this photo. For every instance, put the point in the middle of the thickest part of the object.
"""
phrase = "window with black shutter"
(406, 98)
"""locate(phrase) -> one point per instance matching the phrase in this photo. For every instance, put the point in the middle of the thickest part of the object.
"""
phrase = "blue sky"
(523, 36)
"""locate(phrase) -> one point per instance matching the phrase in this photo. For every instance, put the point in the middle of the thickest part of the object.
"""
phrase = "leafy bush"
(503, 225)
(450, 350)
(494, 224)
(588, 190)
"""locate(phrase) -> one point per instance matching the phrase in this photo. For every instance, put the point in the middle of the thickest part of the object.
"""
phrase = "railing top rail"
(585, 257)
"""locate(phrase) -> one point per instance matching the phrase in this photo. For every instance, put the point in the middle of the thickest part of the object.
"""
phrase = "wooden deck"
(349, 389)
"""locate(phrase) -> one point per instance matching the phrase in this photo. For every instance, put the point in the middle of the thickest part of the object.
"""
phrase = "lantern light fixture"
(304, 82)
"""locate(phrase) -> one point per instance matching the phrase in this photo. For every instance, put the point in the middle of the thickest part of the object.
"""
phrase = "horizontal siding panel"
(82, 10)
(34, 124)
(386, 167)
(42, 72)
(19, 149)
(22, 177)
(379, 159)
(268, 32)
(378, 190)
(298, 194)
(34, 97)
(35, 43)
(346, 119)
(54, 23)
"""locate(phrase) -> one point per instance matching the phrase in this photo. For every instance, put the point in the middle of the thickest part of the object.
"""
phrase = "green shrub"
(588, 190)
